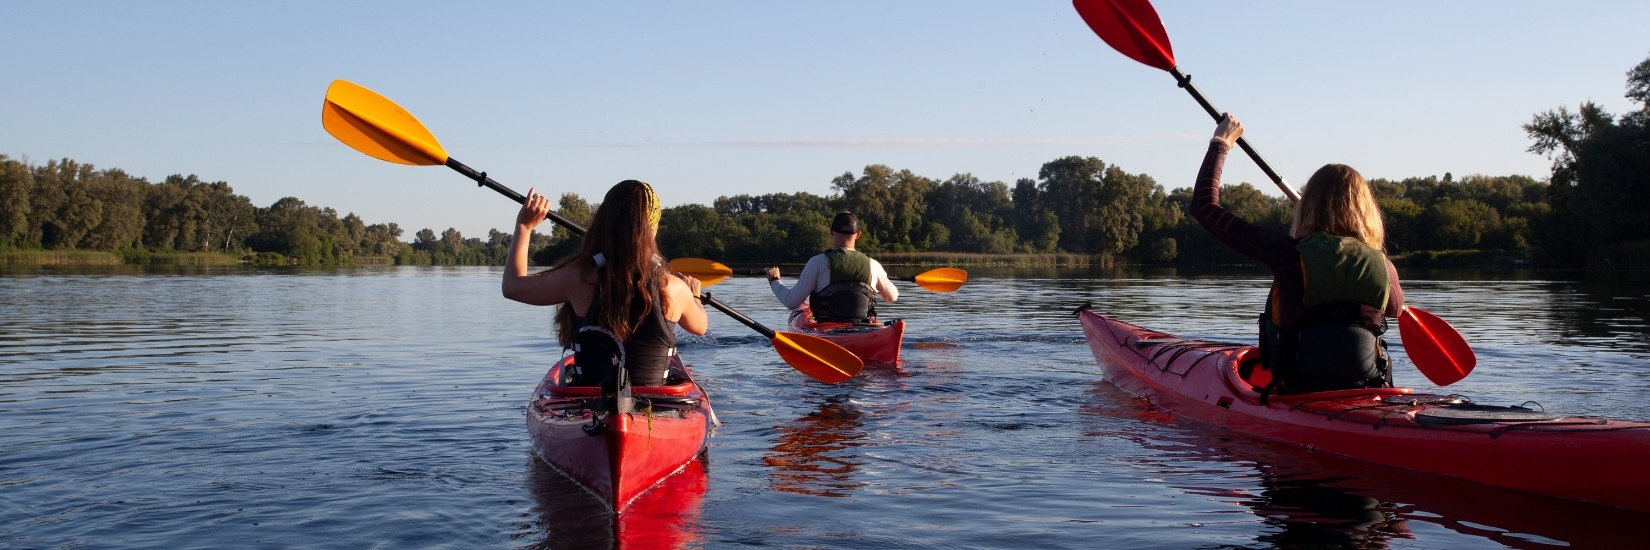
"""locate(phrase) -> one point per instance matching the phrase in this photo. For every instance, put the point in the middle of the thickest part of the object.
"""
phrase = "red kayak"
(631, 452)
(1587, 459)
(876, 343)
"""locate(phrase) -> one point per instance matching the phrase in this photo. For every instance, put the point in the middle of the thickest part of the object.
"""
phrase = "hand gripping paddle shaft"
(374, 125)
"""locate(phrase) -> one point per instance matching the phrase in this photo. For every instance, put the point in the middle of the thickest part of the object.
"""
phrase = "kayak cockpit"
(1245, 375)
(679, 392)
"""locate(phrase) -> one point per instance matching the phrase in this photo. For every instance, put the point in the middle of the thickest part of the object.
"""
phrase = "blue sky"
(704, 100)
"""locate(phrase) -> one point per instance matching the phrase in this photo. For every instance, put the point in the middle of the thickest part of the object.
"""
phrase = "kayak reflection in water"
(841, 284)
(616, 280)
(1332, 285)
(818, 453)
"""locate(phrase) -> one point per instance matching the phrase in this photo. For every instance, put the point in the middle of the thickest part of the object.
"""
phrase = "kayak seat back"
(1251, 369)
(681, 384)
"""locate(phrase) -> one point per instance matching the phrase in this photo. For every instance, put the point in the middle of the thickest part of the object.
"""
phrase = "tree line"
(1079, 205)
(1596, 195)
(1076, 205)
(68, 205)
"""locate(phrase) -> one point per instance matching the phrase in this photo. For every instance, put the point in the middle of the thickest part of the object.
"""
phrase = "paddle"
(944, 279)
(1436, 348)
(372, 124)
(709, 272)
(1133, 28)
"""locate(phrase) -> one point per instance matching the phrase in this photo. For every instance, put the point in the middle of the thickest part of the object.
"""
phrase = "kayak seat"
(678, 383)
(1251, 370)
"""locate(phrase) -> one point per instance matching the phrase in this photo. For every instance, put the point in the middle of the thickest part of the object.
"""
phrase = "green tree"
(1461, 224)
(889, 204)
(1601, 172)
(15, 185)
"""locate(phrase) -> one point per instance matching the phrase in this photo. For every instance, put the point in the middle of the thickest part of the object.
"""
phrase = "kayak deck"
(877, 343)
(634, 451)
(1586, 459)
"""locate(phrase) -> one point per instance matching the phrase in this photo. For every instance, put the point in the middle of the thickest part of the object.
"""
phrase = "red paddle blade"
(1132, 27)
(1435, 347)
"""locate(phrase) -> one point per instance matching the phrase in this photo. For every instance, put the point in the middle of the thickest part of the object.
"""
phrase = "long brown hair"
(621, 233)
(1338, 201)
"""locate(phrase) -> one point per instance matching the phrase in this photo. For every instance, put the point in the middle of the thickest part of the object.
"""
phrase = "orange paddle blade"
(1435, 347)
(945, 279)
(820, 359)
(372, 124)
(708, 272)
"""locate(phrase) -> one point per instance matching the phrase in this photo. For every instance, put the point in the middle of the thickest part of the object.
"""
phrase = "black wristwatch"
(773, 279)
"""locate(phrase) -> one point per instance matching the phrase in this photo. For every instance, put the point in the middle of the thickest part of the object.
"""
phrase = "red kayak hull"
(1586, 459)
(635, 452)
(877, 346)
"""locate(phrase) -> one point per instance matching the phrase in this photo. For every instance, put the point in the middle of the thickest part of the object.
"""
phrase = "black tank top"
(649, 349)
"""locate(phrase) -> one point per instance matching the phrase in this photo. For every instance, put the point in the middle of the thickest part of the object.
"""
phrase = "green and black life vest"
(1337, 342)
(849, 297)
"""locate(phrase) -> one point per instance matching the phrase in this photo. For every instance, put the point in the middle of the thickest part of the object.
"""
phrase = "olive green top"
(848, 265)
(1342, 268)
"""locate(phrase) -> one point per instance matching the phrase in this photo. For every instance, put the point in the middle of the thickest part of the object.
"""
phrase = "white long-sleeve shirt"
(817, 275)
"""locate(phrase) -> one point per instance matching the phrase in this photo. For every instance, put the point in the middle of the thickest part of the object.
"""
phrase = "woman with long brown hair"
(616, 284)
(1332, 285)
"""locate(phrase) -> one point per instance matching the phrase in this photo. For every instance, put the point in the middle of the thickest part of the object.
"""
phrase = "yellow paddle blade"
(945, 279)
(708, 272)
(372, 124)
(817, 357)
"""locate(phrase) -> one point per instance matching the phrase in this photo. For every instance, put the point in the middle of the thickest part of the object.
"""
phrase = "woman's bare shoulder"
(673, 285)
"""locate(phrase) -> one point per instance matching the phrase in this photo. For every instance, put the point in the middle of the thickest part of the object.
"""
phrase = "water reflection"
(569, 517)
(816, 454)
(1606, 310)
(1315, 499)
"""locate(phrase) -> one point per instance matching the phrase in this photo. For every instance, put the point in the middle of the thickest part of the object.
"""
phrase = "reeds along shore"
(966, 259)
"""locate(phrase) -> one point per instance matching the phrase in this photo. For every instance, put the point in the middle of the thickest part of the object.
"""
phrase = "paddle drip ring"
(481, 180)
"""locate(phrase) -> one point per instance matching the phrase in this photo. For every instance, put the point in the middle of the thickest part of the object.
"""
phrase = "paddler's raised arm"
(544, 288)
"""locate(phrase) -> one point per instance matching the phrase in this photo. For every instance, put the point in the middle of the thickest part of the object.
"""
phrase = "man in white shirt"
(840, 284)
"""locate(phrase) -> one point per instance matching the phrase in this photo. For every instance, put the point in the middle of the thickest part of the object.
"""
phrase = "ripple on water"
(384, 406)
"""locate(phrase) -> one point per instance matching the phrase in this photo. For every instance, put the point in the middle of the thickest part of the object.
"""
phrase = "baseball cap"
(845, 223)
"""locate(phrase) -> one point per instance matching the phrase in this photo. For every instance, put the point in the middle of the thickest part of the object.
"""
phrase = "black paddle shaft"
(1186, 82)
(737, 316)
(483, 181)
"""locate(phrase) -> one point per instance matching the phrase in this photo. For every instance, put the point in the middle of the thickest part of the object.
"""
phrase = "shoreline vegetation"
(1588, 213)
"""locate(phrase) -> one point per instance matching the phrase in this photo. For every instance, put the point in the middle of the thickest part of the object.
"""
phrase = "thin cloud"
(841, 143)
(879, 143)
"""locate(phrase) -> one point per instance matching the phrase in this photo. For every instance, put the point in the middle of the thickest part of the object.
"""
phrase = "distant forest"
(1595, 199)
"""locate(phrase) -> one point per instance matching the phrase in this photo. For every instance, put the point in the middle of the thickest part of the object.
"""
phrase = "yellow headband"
(653, 211)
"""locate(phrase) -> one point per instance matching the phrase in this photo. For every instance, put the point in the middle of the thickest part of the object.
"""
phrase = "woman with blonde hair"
(1332, 285)
(617, 296)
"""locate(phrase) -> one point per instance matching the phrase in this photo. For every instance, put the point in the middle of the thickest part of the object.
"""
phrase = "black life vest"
(599, 358)
(1337, 343)
(849, 297)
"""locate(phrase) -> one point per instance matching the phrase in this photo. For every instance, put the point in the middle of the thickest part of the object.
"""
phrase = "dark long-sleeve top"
(1277, 250)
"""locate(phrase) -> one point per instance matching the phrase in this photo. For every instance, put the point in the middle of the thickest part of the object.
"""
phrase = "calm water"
(383, 407)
